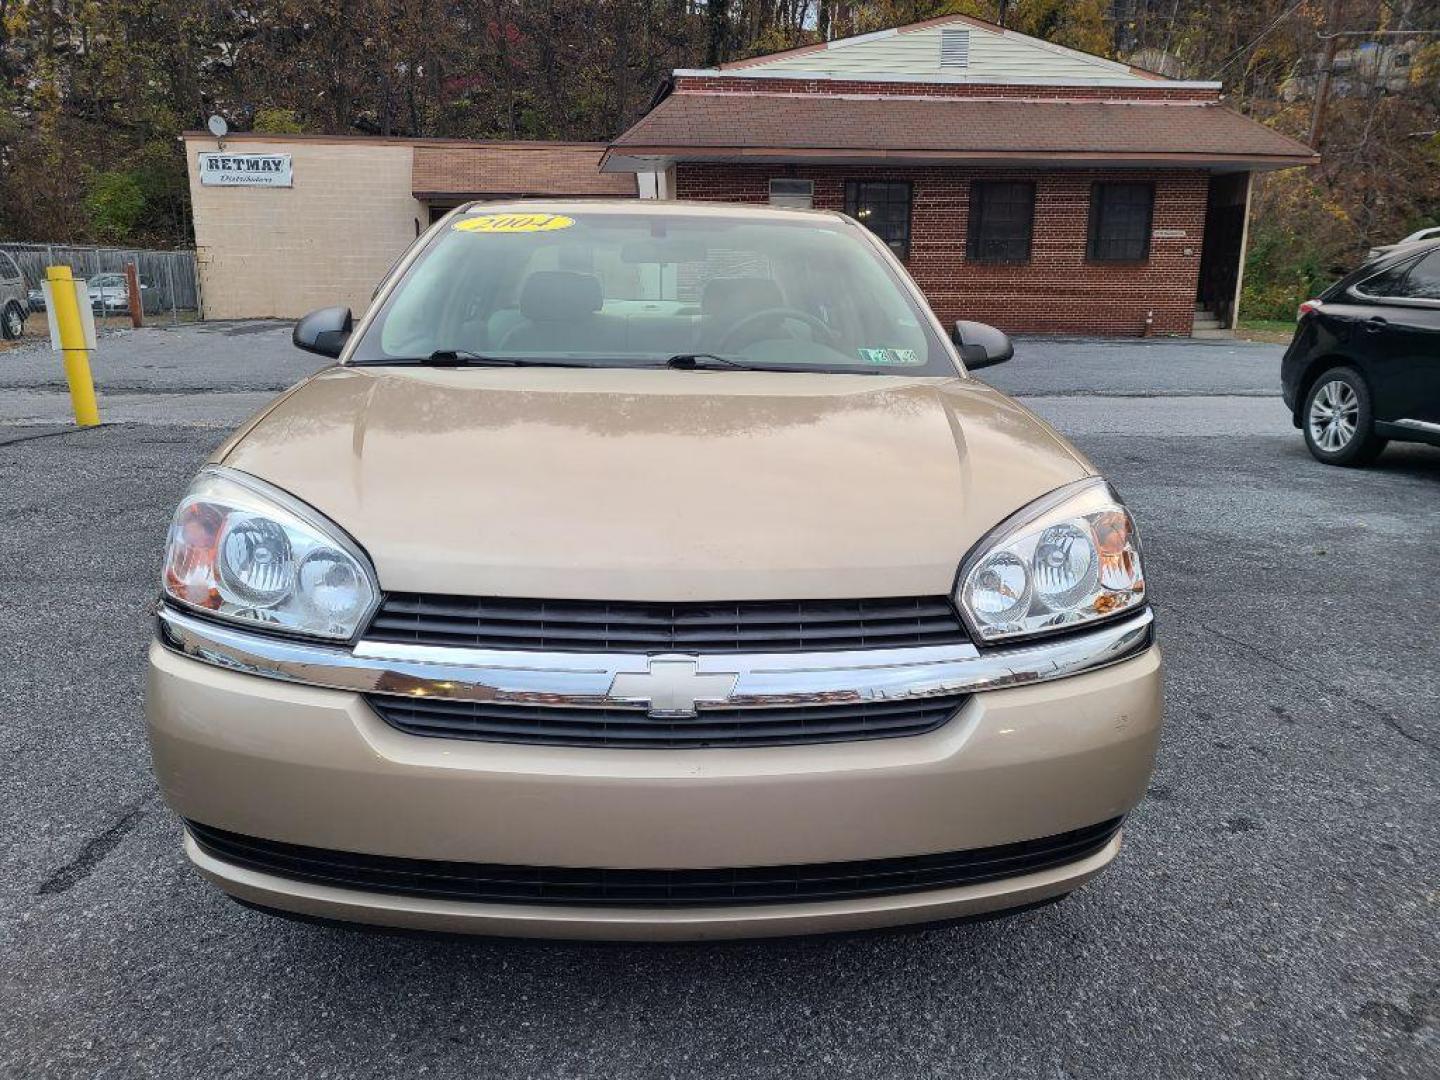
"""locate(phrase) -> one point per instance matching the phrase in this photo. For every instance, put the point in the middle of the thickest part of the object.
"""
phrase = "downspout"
(1244, 244)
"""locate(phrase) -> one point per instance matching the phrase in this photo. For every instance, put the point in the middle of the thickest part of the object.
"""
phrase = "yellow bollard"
(72, 342)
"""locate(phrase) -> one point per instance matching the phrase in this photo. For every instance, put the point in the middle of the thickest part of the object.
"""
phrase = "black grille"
(559, 726)
(487, 883)
(598, 626)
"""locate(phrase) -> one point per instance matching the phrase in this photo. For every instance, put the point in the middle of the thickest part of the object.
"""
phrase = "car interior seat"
(560, 311)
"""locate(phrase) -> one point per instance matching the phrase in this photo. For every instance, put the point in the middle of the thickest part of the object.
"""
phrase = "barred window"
(884, 208)
(1120, 222)
(1002, 220)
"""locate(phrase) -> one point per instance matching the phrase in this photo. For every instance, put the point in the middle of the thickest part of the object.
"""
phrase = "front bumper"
(646, 923)
(314, 765)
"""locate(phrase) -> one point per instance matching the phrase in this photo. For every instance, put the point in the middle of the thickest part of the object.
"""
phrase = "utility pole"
(1327, 62)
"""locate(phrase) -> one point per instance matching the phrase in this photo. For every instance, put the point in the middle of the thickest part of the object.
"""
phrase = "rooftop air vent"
(954, 49)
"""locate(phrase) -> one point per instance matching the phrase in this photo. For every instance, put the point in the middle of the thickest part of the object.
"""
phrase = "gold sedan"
(651, 570)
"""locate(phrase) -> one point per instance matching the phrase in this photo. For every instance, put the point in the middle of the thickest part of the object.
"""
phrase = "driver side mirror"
(324, 331)
(981, 345)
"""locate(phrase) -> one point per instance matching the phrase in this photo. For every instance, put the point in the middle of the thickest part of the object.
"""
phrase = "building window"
(884, 207)
(1002, 218)
(1120, 222)
(794, 194)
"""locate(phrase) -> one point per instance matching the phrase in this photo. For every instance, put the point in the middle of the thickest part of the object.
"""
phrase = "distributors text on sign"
(246, 170)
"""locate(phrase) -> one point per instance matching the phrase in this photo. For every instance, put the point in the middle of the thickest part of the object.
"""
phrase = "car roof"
(1398, 254)
(650, 207)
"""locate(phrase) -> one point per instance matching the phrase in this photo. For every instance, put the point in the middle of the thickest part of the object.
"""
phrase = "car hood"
(615, 484)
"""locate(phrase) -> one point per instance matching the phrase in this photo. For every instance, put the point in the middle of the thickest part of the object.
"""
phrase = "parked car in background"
(110, 294)
(1364, 365)
(1432, 233)
(651, 571)
(13, 299)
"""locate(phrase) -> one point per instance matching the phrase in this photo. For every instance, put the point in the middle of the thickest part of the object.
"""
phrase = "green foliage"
(115, 204)
(1078, 24)
(137, 204)
(277, 122)
(1299, 242)
(110, 83)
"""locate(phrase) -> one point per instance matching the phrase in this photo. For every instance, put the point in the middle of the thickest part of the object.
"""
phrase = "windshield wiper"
(464, 358)
(695, 361)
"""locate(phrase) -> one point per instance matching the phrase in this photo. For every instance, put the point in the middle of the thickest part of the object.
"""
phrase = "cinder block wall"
(328, 240)
(1058, 290)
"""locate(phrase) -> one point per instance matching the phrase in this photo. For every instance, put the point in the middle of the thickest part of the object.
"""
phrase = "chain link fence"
(169, 282)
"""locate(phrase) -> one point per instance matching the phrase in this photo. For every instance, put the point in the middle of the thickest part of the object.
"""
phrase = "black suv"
(1364, 366)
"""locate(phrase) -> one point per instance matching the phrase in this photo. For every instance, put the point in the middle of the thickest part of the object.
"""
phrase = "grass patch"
(1275, 331)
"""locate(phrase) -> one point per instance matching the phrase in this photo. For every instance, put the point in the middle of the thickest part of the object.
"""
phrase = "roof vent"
(954, 49)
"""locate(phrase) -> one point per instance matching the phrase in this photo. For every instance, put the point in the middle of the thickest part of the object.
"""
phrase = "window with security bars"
(1002, 220)
(884, 208)
(1120, 222)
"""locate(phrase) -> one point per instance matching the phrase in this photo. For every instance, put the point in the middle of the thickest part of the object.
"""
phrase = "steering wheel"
(823, 331)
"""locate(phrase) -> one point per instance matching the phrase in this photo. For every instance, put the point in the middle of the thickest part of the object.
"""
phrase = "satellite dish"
(218, 127)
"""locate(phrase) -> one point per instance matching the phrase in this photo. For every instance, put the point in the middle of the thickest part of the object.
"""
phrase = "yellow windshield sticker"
(514, 223)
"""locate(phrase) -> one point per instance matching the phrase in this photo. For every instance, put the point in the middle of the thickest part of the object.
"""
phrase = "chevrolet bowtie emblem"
(672, 687)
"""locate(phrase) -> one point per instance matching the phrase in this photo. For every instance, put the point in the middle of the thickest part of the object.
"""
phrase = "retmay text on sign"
(246, 170)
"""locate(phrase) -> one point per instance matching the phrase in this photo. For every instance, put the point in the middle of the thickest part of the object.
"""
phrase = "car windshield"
(622, 289)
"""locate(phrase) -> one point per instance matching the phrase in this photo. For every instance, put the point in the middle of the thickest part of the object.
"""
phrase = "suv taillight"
(1306, 308)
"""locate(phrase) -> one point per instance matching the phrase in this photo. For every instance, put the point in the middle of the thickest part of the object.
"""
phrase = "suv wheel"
(12, 323)
(1338, 421)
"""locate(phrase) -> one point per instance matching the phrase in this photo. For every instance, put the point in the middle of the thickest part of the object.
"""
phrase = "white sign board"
(246, 170)
(82, 301)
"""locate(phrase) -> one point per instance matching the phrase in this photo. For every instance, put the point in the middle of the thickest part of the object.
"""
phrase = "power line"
(1258, 37)
(1370, 33)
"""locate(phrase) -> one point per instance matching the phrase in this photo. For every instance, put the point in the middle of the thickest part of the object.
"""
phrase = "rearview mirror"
(981, 345)
(324, 331)
(675, 249)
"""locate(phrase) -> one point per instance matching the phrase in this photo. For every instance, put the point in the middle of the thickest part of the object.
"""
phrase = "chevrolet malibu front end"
(650, 572)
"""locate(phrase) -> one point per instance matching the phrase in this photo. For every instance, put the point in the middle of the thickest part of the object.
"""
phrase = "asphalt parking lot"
(1275, 912)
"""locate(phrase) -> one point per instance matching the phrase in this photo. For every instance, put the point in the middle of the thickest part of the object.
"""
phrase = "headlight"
(246, 551)
(1070, 558)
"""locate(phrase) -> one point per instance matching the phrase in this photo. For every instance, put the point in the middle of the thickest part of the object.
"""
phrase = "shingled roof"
(789, 127)
(502, 169)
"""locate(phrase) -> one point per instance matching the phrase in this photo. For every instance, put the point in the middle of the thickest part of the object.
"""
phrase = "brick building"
(1024, 184)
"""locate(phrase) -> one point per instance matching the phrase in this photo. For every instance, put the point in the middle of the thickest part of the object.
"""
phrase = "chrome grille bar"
(572, 679)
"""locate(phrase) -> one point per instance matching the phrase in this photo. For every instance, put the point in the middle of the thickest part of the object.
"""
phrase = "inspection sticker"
(514, 223)
(889, 356)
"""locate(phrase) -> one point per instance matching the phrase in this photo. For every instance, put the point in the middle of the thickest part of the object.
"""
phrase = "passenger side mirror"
(324, 331)
(981, 345)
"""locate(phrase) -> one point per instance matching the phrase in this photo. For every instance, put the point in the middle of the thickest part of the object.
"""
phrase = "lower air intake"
(490, 883)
